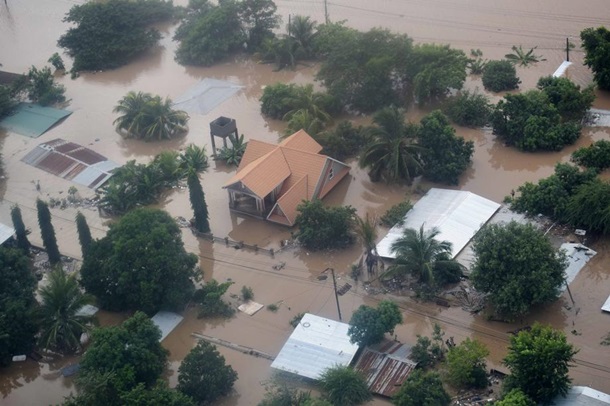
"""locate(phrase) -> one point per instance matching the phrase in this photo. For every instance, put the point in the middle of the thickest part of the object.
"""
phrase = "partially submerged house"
(272, 180)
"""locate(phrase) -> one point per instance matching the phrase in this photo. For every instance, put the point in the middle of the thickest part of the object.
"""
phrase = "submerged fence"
(235, 244)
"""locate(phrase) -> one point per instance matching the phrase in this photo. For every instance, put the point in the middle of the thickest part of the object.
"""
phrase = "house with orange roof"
(272, 180)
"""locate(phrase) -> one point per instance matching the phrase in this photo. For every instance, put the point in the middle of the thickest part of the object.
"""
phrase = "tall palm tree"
(303, 30)
(417, 252)
(60, 323)
(194, 161)
(149, 117)
(393, 154)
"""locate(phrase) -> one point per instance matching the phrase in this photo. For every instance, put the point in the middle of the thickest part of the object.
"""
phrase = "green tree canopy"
(595, 156)
(321, 227)
(84, 234)
(259, 19)
(17, 305)
(343, 385)
(210, 33)
(539, 361)
(158, 395)
(515, 398)
(422, 389)
(531, 122)
(469, 109)
(571, 102)
(109, 34)
(444, 155)
(209, 298)
(119, 359)
(596, 41)
(140, 264)
(61, 324)
(21, 232)
(499, 76)
(589, 207)
(47, 232)
(203, 374)
(39, 86)
(466, 367)
(369, 325)
(518, 266)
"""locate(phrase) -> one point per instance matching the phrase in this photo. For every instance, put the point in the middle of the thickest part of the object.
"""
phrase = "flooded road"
(28, 34)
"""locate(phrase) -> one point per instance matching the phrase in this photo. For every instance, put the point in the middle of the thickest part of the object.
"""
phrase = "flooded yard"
(28, 34)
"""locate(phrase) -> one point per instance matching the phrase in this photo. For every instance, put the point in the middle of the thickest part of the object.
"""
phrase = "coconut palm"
(61, 324)
(149, 117)
(393, 154)
(306, 100)
(302, 30)
(304, 120)
(366, 228)
(194, 161)
(523, 58)
(418, 252)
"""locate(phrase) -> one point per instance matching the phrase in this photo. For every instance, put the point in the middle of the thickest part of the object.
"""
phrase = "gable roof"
(264, 174)
(302, 142)
(254, 150)
(289, 201)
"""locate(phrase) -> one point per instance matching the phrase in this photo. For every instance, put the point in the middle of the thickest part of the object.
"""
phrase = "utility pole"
(568, 49)
(332, 271)
(326, 10)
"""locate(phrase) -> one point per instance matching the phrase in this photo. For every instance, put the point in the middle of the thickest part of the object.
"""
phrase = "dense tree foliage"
(518, 266)
(140, 264)
(395, 215)
(444, 155)
(595, 156)
(422, 389)
(258, 19)
(7, 101)
(279, 393)
(344, 141)
(589, 207)
(551, 196)
(210, 33)
(499, 76)
(150, 118)
(429, 350)
(119, 359)
(596, 41)
(209, 298)
(47, 232)
(515, 398)
(343, 385)
(109, 34)
(393, 154)
(17, 305)
(84, 234)
(469, 109)
(369, 325)
(466, 366)
(203, 374)
(539, 361)
(21, 233)
(420, 254)
(61, 325)
(194, 161)
(321, 227)
(531, 122)
(40, 87)
(158, 395)
(571, 102)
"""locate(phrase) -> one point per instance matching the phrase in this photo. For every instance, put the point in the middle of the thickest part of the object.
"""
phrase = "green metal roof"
(33, 120)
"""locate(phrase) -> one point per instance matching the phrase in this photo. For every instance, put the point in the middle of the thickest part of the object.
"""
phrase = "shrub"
(247, 293)
(595, 156)
(344, 141)
(469, 109)
(322, 227)
(396, 214)
(499, 76)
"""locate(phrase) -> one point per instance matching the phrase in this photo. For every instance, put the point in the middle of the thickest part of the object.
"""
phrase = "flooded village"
(290, 276)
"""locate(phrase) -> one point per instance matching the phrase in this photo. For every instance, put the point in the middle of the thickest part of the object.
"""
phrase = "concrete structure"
(386, 366)
(583, 396)
(315, 345)
(272, 180)
(457, 214)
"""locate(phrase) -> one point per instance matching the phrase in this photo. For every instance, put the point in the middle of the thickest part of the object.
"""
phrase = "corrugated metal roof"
(578, 256)
(583, 396)
(606, 305)
(315, 345)
(33, 120)
(457, 214)
(167, 322)
(386, 366)
(6, 232)
(72, 162)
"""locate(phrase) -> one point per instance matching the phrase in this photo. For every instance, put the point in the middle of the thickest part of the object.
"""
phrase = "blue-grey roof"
(33, 120)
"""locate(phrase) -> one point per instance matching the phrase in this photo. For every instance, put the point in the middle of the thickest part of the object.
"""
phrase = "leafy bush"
(469, 109)
(595, 41)
(40, 87)
(294, 322)
(589, 207)
(368, 325)
(595, 156)
(109, 34)
(321, 227)
(499, 76)
(466, 365)
(344, 141)
(396, 214)
(273, 307)
(247, 293)
(209, 298)
(571, 103)
(343, 385)
(422, 389)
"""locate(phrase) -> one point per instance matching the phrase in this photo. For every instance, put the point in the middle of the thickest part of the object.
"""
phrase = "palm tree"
(417, 252)
(60, 322)
(194, 161)
(523, 58)
(302, 30)
(303, 120)
(366, 228)
(149, 117)
(306, 100)
(393, 154)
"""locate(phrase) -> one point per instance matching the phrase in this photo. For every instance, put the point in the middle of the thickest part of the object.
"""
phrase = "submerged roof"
(205, 96)
(583, 396)
(315, 345)
(167, 322)
(72, 162)
(33, 120)
(457, 214)
(6, 232)
(578, 256)
(385, 366)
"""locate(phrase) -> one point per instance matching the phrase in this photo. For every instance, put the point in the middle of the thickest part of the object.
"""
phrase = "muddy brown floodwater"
(28, 34)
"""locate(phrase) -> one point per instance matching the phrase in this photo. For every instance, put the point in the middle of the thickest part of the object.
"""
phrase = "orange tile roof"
(264, 174)
(289, 201)
(304, 164)
(254, 150)
(301, 141)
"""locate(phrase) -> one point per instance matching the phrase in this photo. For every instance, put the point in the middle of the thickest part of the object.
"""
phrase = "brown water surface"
(28, 34)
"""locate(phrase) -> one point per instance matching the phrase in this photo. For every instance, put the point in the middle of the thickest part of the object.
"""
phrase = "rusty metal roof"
(386, 366)
(72, 162)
